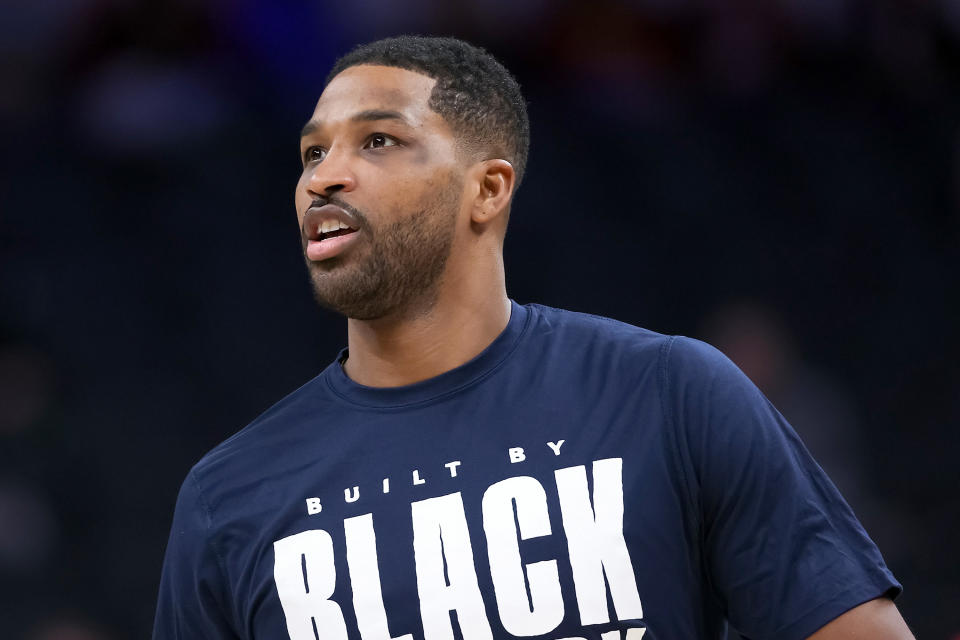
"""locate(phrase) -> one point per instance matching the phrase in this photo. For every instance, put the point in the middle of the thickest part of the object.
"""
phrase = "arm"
(874, 620)
(782, 552)
(191, 603)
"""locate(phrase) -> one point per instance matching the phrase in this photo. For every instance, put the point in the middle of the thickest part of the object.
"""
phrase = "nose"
(331, 175)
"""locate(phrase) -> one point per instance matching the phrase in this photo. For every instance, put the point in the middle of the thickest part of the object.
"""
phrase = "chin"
(347, 300)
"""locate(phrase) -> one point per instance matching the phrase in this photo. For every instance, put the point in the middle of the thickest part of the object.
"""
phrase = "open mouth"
(328, 236)
(333, 229)
(328, 231)
(334, 234)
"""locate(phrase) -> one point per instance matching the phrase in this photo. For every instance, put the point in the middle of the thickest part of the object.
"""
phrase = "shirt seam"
(208, 512)
(692, 504)
(664, 382)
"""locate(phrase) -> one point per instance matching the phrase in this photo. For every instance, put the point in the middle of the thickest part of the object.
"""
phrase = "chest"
(532, 524)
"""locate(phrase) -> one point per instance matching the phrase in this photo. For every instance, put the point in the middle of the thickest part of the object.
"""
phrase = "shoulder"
(706, 397)
(688, 360)
(250, 449)
(574, 329)
(679, 359)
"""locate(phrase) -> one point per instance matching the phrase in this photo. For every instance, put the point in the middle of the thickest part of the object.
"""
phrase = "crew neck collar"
(439, 386)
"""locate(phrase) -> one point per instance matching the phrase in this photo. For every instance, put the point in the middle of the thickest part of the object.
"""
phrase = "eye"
(380, 140)
(314, 154)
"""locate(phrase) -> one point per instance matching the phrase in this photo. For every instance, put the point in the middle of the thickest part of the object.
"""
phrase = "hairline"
(462, 139)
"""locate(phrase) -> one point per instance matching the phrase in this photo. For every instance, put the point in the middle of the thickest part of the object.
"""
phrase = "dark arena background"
(780, 178)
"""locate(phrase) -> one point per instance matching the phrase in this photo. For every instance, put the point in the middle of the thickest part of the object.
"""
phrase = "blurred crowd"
(780, 178)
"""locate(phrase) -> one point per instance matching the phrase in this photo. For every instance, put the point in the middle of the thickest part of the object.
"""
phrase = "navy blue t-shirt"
(580, 478)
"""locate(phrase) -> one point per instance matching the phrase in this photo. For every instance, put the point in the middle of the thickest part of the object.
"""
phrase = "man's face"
(379, 194)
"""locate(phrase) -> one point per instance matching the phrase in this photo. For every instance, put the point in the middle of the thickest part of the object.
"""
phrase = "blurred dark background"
(780, 178)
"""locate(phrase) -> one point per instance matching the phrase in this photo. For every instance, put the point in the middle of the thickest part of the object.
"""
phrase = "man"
(473, 468)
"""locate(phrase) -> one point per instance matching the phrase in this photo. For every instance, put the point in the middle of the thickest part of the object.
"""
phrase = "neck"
(416, 344)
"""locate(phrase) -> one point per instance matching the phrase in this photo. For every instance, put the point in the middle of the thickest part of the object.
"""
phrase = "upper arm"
(192, 596)
(874, 620)
(782, 551)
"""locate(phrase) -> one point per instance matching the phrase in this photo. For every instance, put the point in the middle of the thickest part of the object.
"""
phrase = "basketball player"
(474, 468)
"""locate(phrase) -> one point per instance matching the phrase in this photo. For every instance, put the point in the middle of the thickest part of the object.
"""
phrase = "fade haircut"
(474, 93)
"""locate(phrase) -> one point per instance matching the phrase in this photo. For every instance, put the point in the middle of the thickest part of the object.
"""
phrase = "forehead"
(374, 87)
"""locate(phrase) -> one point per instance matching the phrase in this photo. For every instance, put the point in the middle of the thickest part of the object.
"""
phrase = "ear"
(495, 179)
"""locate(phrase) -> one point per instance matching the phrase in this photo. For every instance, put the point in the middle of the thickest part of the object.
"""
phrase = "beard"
(401, 269)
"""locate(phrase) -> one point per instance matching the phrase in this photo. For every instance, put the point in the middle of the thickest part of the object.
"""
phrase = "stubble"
(402, 267)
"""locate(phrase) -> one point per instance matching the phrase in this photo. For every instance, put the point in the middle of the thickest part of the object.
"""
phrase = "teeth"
(329, 226)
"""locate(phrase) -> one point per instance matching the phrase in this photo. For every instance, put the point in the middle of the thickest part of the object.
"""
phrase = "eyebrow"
(369, 115)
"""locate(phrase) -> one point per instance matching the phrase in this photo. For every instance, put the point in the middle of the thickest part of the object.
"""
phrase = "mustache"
(358, 215)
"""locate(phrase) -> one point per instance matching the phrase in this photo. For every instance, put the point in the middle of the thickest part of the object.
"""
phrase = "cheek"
(427, 185)
(420, 196)
(405, 193)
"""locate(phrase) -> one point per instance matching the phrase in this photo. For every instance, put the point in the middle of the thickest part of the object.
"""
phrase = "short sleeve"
(783, 551)
(192, 591)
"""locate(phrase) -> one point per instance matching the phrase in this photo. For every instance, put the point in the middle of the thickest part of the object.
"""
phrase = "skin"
(392, 170)
(441, 328)
(874, 620)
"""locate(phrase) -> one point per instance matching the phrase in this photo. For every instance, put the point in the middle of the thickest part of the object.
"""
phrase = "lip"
(317, 249)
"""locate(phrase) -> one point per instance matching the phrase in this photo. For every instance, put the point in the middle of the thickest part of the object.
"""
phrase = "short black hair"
(474, 93)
